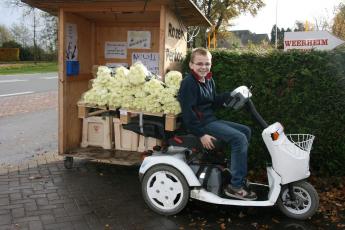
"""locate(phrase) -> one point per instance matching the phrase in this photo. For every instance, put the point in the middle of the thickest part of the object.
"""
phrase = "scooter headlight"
(275, 136)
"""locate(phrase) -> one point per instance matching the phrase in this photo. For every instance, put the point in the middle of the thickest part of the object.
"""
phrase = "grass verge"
(27, 67)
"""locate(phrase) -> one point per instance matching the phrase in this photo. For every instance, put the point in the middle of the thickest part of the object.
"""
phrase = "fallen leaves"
(332, 198)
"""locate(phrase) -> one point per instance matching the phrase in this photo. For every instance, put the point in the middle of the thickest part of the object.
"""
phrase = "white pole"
(276, 42)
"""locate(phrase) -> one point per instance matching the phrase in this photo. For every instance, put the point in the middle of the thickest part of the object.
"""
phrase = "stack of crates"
(107, 132)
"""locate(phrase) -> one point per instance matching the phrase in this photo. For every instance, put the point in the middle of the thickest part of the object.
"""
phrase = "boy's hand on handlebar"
(206, 141)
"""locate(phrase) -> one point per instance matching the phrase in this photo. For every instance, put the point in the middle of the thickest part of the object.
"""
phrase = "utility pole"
(276, 40)
(35, 45)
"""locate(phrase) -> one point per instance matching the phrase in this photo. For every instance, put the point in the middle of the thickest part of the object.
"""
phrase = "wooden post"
(62, 85)
(214, 39)
(209, 40)
(162, 39)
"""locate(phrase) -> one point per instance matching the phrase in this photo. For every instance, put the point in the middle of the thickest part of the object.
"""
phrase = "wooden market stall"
(113, 32)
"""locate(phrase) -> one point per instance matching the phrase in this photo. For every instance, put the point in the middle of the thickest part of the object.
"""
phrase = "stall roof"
(184, 9)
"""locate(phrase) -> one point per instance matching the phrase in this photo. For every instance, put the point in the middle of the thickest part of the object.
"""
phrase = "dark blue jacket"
(198, 101)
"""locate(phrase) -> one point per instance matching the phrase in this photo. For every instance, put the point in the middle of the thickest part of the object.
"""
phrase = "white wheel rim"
(304, 203)
(164, 190)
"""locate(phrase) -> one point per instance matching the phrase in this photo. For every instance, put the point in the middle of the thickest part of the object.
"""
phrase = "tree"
(220, 12)
(11, 44)
(321, 23)
(21, 34)
(5, 34)
(280, 36)
(338, 27)
(49, 32)
(299, 26)
(273, 33)
(30, 13)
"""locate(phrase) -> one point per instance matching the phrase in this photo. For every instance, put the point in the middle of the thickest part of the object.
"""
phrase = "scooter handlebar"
(257, 117)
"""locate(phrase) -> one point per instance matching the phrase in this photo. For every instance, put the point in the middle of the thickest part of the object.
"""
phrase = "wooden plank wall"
(113, 32)
(76, 85)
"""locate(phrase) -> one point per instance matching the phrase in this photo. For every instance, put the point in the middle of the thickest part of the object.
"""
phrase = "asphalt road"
(12, 85)
(24, 135)
(30, 128)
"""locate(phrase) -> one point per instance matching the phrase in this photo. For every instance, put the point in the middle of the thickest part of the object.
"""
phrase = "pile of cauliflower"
(136, 89)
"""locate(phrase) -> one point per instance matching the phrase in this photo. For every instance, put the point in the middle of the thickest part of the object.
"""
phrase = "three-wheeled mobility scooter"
(180, 171)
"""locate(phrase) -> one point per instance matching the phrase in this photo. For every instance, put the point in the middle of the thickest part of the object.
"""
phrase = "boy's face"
(201, 64)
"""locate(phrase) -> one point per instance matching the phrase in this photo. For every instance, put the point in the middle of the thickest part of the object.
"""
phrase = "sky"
(288, 11)
(9, 15)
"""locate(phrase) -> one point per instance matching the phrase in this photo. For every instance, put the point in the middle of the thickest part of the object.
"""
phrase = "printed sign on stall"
(139, 39)
(71, 42)
(150, 60)
(115, 50)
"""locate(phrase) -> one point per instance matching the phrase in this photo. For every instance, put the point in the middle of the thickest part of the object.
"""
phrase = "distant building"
(242, 38)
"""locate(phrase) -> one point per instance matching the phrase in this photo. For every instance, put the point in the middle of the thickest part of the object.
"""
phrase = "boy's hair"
(200, 51)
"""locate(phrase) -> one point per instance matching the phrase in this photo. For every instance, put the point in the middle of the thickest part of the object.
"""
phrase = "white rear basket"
(302, 141)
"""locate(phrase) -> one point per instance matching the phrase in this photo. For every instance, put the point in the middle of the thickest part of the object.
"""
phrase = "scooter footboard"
(174, 161)
(274, 181)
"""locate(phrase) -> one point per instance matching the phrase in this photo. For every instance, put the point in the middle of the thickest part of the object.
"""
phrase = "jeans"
(238, 137)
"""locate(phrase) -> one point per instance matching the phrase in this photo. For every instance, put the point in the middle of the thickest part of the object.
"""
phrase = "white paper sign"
(71, 42)
(115, 50)
(150, 60)
(115, 65)
(139, 39)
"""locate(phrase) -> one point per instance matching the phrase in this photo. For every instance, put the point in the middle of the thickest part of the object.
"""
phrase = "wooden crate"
(147, 143)
(84, 110)
(97, 131)
(170, 120)
(124, 139)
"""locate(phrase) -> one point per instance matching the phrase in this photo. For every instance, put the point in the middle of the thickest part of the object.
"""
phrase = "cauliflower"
(137, 73)
(103, 71)
(96, 96)
(173, 79)
(135, 89)
(153, 86)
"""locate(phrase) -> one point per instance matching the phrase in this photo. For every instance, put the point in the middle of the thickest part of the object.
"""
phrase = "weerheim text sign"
(311, 40)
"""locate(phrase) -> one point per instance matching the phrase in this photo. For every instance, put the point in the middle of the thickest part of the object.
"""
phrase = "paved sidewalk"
(27, 103)
(42, 194)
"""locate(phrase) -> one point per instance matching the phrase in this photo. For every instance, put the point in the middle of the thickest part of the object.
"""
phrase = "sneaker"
(240, 193)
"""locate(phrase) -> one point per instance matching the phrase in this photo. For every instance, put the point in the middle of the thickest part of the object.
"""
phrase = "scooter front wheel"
(304, 204)
(165, 190)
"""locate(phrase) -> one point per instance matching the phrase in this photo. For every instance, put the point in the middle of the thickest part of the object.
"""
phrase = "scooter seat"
(193, 143)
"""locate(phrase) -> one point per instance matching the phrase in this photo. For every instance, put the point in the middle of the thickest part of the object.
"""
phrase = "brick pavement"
(42, 194)
(27, 103)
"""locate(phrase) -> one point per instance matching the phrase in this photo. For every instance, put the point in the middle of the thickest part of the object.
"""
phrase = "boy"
(198, 99)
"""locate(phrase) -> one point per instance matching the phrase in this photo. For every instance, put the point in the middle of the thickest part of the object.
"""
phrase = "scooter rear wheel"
(305, 204)
(165, 190)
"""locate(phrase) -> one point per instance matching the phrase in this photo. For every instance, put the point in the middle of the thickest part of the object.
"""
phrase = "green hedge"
(303, 91)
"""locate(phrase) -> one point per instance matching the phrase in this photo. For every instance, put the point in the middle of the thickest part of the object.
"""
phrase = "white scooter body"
(288, 160)
(178, 161)
(290, 163)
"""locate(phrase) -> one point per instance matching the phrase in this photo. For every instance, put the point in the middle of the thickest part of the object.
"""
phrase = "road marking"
(9, 81)
(48, 78)
(15, 94)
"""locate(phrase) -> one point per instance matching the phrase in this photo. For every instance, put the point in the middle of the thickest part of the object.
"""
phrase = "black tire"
(165, 190)
(306, 204)
(68, 162)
